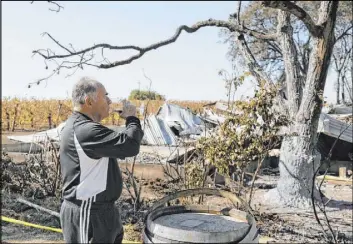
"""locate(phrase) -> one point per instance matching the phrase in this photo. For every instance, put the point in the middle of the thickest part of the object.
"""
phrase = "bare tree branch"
(258, 34)
(327, 159)
(349, 88)
(343, 34)
(340, 57)
(141, 51)
(315, 81)
(59, 7)
(71, 65)
(294, 9)
(326, 10)
(238, 13)
(274, 47)
(46, 33)
(306, 55)
(290, 58)
(252, 64)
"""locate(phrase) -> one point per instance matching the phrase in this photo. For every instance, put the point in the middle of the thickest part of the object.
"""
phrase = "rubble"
(164, 138)
(175, 126)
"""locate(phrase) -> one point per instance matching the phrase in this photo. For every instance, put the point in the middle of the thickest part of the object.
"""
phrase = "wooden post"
(8, 120)
(59, 111)
(215, 175)
(49, 120)
(342, 172)
(15, 118)
(32, 120)
(51, 212)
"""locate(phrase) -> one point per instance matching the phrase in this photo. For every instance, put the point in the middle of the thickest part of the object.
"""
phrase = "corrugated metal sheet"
(182, 119)
(40, 137)
(335, 128)
(211, 117)
(330, 126)
(157, 132)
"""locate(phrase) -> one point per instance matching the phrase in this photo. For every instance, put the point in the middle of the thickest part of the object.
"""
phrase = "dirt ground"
(279, 225)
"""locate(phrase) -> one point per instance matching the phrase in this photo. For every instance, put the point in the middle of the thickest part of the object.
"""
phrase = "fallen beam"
(330, 177)
(335, 180)
(51, 212)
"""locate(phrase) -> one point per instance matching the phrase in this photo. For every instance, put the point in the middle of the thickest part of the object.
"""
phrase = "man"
(92, 180)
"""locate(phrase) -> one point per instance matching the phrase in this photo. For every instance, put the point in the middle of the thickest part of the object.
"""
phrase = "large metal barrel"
(199, 224)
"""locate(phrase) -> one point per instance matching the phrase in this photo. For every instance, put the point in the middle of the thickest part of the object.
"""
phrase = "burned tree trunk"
(291, 63)
(299, 158)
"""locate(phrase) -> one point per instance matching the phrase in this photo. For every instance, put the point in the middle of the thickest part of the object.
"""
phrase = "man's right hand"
(127, 110)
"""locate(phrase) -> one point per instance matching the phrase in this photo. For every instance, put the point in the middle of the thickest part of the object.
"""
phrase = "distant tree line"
(145, 95)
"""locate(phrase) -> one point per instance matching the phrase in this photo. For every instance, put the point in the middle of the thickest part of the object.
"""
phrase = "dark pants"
(91, 222)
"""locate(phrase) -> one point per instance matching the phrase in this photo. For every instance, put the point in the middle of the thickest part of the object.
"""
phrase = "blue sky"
(185, 70)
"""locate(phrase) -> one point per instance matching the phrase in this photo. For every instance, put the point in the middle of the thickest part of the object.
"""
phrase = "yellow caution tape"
(15, 221)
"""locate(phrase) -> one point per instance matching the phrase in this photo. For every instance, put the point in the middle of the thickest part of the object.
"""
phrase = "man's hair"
(83, 88)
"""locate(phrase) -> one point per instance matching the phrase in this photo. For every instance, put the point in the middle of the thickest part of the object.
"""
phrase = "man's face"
(100, 107)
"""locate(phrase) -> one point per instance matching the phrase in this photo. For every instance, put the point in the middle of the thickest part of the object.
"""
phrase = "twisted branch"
(300, 13)
(59, 7)
(47, 54)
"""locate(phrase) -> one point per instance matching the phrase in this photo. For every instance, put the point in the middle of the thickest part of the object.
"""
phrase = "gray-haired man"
(92, 180)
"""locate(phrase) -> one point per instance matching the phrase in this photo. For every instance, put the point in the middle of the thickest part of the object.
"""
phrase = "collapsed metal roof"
(335, 128)
(41, 137)
(157, 132)
(181, 119)
(173, 121)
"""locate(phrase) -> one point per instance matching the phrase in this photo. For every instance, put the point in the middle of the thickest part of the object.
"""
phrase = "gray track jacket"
(88, 153)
